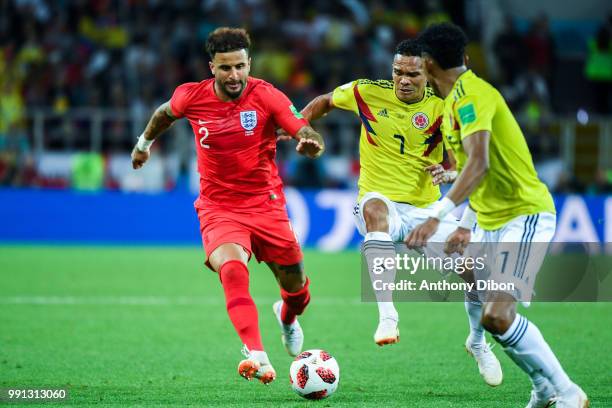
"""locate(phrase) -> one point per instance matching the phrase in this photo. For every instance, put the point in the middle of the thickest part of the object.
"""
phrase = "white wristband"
(143, 144)
(442, 208)
(468, 219)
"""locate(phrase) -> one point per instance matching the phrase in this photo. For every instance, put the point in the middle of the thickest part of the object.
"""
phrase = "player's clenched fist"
(139, 158)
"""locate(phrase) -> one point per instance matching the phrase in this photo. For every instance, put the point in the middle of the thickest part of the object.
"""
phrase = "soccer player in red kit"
(241, 206)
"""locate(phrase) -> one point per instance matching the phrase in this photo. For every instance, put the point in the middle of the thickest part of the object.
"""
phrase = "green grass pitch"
(148, 326)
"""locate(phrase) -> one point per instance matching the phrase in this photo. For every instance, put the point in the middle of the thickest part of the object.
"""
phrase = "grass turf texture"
(148, 326)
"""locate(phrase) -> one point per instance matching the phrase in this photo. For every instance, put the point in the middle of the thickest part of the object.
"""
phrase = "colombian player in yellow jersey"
(513, 210)
(400, 139)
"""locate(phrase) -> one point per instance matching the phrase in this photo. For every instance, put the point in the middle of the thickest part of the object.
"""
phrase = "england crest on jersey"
(248, 119)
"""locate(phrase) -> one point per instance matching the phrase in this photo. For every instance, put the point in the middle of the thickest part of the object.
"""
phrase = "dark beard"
(233, 95)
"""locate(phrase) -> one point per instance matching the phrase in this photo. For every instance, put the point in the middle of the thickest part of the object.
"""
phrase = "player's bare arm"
(310, 142)
(160, 121)
(318, 107)
(314, 110)
(476, 146)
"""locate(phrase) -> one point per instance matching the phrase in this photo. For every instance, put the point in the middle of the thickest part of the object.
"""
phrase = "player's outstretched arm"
(476, 146)
(315, 109)
(310, 143)
(318, 107)
(161, 120)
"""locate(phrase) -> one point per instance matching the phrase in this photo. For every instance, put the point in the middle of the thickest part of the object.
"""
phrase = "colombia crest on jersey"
(398, 140)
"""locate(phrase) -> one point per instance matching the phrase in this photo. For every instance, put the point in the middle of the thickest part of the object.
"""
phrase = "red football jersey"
(236, 141)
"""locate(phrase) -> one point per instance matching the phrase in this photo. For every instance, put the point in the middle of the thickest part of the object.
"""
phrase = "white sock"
(473, 308)
(525, 345)
(539, 382)
(379, 244)
(260, 356)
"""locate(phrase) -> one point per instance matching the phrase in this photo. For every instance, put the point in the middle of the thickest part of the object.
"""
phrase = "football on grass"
(314, 374)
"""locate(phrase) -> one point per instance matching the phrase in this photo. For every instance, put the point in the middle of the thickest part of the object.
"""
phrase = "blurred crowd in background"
(126, 57)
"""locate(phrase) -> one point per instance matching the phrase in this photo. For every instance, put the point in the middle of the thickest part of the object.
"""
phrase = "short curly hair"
(227, 39)
(408, 48)
(445, 43)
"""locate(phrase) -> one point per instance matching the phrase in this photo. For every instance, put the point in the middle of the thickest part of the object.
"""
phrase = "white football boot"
(574, 397)
(256, 365)
(387, 332)
(544, 398)
(488, 364)
(292, 335)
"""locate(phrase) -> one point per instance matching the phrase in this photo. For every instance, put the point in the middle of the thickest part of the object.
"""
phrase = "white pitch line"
(148, 300)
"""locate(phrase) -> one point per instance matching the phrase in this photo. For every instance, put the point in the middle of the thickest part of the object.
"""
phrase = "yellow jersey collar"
(464, 75)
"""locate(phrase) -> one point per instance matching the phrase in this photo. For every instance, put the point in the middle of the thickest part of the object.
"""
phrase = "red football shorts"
(268, 235)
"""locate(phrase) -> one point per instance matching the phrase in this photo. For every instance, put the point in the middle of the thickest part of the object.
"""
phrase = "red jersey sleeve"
(180, 99)
(284, 113)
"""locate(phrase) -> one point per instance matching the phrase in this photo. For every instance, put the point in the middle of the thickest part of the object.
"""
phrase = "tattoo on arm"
(306, 132)
(161, 120)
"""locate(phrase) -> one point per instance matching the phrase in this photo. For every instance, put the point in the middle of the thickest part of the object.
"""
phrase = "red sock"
(294, 303)
(242, 311)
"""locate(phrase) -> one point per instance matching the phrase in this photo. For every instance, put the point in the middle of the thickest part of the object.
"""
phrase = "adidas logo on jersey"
(383, 113)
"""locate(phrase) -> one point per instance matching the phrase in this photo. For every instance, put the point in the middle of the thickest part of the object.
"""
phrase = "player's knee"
(496, 320)
(226, 253)
(375, 213)
(234, 271)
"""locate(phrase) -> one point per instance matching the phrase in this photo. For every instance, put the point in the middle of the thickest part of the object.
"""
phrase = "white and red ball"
(314, 374)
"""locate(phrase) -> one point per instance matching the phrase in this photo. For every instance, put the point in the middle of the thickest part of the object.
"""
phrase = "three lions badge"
(248, 120)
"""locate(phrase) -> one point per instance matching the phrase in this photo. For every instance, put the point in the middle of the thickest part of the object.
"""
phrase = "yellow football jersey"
(398, 140)
(511, 187)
